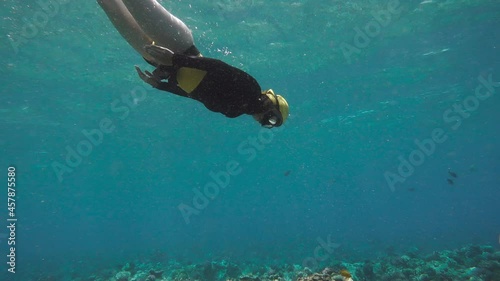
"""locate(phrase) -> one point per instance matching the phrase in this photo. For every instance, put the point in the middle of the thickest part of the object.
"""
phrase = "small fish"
(411, 189)
(287, 173)
(450, 181)
(453, 174)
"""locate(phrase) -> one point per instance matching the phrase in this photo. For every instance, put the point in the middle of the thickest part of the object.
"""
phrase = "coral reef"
(471, 263)
(122, 276)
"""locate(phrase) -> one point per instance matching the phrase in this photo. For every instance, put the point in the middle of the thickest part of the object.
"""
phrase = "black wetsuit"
(224, 88)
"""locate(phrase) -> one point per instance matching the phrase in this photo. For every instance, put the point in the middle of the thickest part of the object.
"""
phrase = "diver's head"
(276, 110)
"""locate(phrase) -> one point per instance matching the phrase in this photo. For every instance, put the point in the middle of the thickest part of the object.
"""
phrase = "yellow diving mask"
(276, 115)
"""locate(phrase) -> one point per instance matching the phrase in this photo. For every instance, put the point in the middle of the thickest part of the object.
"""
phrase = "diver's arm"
(171, 88)
(155, 79)
(201, 63)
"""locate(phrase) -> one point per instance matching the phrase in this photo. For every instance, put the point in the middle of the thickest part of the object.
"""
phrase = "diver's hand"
(148, 77)
(160, 53)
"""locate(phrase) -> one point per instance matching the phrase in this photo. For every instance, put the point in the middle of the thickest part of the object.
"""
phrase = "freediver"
(166, 43)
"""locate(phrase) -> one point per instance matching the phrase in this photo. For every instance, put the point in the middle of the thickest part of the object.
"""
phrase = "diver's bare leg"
(160, 25)
(127, 26)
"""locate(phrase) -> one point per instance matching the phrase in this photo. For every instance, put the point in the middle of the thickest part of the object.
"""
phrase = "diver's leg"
(165, 29)
(126, 25)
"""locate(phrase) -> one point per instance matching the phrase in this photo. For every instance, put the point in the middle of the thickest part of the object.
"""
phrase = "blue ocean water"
(391, 144)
